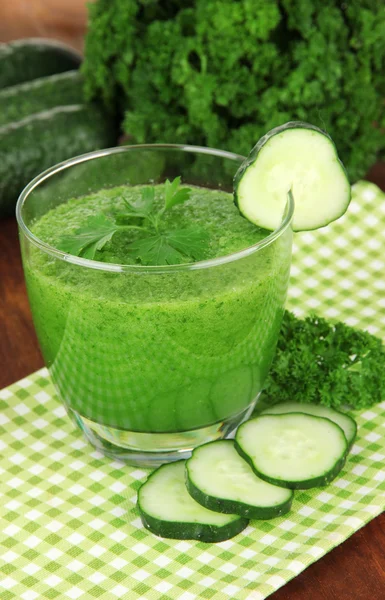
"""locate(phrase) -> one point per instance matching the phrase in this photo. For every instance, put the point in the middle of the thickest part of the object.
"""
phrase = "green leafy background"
(222, 72)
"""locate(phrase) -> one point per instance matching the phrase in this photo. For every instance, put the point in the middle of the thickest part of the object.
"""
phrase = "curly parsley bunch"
(223, 72)
(326, 363)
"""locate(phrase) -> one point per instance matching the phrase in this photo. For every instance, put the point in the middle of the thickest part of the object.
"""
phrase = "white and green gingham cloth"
(68, 524)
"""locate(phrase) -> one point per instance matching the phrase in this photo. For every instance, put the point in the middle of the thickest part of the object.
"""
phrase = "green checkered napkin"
(69, 528)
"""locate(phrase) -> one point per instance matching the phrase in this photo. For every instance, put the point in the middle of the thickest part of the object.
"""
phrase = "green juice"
(156, 351)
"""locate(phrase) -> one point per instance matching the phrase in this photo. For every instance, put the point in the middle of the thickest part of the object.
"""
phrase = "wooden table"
(63, 20)
(353, 571)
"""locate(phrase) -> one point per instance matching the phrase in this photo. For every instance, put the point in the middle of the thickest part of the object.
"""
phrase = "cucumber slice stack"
(299, 157)
(211, 496)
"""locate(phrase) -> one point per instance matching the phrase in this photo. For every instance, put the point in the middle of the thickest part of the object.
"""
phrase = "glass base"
(160, 448)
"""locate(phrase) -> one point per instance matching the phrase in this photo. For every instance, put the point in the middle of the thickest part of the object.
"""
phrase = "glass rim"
(121, 268)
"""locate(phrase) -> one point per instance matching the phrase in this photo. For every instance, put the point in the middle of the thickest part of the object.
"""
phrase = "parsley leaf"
(155, 250)
(86, 240)
(173, 195)
(141, 207)
(192, 242)
(170, 247)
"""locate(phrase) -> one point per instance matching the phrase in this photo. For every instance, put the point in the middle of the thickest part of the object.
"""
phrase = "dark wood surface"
(63, 20)
(354, 570)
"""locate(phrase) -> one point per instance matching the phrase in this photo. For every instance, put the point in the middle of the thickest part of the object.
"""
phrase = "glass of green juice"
(151, 361)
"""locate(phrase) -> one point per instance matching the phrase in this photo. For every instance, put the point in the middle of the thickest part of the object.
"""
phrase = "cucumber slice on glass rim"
(219, 479)
(295, 450)
(347, 423)
(167, 509)
(299, 157)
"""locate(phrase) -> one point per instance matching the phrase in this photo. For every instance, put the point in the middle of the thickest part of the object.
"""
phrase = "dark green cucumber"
(219, 479)
(25, 99)
(347, 423)
(293, 450)
(33, 144)
(167, 509)
(296, 156)
(24, 60)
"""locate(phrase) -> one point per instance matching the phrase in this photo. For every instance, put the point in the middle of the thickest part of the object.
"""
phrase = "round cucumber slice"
(295, 450)
(167, 509)
(347, 424)
(299, 157)
(219, 479)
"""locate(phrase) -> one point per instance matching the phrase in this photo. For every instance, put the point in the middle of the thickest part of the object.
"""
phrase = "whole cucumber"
(38, 142)
(24, 60)
(20, 101)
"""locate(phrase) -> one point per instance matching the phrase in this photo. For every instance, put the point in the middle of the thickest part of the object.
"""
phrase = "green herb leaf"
(155, 250)
(169, 247)
(192, 242)
(173, 195)
(144, 205)
(85, 241)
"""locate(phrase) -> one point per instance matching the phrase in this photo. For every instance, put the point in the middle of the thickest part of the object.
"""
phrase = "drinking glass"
(151, 361)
